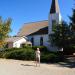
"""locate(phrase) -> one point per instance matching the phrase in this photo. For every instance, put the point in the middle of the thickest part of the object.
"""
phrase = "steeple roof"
(54, 7)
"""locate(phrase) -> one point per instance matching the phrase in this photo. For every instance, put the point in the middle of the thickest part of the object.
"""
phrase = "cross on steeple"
(54, 7)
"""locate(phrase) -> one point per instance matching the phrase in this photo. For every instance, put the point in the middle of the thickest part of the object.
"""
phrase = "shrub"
(28, 53)
(12, 49)
(21, 54)
(1, 54)
(69, 50)
(48, 57)
(52, 57)
(42, 48)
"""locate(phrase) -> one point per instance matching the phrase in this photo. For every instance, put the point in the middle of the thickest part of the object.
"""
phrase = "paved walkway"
(16, 67)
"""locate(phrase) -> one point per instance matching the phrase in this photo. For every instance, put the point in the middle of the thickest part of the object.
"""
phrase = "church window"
(32, 40)
(41, 41)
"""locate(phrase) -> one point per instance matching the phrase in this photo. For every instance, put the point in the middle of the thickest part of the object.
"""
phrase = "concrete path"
(16, 67)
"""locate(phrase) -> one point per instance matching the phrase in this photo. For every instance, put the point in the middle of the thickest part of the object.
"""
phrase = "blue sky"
(23, 11)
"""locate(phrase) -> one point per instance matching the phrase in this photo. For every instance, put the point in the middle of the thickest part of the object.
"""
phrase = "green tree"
(64, 34)
(72, 21)
(4, 30)
(72, 28)
(61, 35)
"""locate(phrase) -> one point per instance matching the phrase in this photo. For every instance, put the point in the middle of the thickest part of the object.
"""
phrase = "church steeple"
(54, 19)
(54, 16)
(54, 7)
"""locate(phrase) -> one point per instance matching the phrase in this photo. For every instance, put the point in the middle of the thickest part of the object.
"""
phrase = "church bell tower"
(54, 16)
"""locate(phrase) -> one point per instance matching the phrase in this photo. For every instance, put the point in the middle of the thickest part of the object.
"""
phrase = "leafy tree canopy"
(4, 30)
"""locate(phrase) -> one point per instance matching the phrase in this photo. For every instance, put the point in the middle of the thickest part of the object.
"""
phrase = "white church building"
(38, 32)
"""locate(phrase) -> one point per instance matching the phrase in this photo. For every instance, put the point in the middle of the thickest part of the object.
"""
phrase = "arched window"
(32, 41)
(41, 41)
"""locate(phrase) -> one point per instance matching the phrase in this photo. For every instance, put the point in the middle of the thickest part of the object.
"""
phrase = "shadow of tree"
(27, 65)
(67, 64)
(70, 62)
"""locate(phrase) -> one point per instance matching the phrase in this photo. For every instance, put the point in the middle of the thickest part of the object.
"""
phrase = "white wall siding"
(37, 39)
(18, 43)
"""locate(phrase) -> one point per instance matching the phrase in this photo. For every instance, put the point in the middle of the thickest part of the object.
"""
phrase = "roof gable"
(31, 28)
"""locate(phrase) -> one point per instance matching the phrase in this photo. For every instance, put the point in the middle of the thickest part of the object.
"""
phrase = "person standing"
(38, 56)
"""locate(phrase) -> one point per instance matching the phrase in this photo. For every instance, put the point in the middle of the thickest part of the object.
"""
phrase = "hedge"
(42, 48)
(18, 53)
(28, 53)
(69, 50)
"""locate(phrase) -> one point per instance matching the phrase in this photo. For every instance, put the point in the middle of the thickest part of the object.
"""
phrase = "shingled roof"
(35, 28)
(54, 7)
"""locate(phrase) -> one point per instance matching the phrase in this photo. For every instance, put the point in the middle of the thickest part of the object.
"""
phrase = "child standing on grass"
(38, 56)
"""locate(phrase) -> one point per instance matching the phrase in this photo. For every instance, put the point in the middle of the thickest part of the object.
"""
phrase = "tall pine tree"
(61, 35)
(72, 29)
(72, 21)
